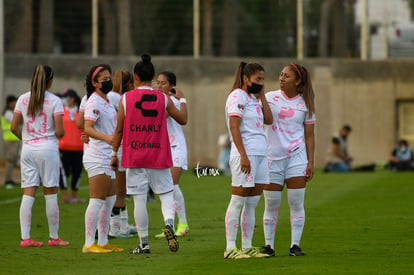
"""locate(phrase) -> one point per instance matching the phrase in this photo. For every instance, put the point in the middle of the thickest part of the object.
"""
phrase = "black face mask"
(255, 88)
(106, 86)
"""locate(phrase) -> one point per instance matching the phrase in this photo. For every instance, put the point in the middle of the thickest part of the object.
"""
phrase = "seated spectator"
(402, 158)
(338, 157)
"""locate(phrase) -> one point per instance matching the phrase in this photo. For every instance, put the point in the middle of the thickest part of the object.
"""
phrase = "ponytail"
(305, 87)
(41, 77)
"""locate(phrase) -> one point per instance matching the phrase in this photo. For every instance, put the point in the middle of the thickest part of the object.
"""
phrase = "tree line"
(262, 28)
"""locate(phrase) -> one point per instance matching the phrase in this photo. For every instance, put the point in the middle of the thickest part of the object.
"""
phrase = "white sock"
(141, 215)
(115, 224)
(26, 216)
(124, 219)
(104, 217)
(296, 199)
(180, 205)
(91, 220)
(232, 220)
(168, 207)
(270, 215)
(248, 220)
(52, 213)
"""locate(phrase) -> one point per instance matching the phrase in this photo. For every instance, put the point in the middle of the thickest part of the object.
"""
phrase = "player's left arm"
(310, 149)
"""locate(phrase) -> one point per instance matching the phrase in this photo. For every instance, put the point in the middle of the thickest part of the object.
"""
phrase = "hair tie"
(300, 75)
(96, 72)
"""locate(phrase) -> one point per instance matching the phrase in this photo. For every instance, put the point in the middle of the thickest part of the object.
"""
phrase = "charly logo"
(206, 171)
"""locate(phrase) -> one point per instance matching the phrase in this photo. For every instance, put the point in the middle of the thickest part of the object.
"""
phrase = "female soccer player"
(146, 152)
(38, 123)
(246, 112)
(166, 82)
(291, 146)
(100, 120)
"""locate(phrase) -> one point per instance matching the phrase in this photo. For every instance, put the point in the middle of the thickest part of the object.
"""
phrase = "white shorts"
(139, 179)
(95, 169)
(179, 157)
(259, 172)
(40, 165)
(294, 166)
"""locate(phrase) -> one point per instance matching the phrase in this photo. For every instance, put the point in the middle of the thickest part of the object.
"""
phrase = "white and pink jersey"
(83, 104)
(175, 130)
(240, 103)
(38, 132)
(114, 98)
(103, 113)
(285, 137)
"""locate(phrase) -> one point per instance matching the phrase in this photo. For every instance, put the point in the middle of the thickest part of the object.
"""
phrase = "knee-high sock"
(270, 215)
(91, 219)
(124, 218)
(141, 217)
(104, 218)
(52, 213)
(168, 208)
(248, 220)
(296, 199)
(26, 216)
(179, 204)
(232, 220)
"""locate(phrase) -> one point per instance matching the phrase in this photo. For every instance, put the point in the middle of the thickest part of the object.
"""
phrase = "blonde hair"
(41, 76)
(122, 79)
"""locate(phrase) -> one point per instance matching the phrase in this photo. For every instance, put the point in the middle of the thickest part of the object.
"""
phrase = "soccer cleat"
(141, 250)
(171, 238)
(57, 242)
(182, 229)
(235, 254)
(112, 247)
(268, 250)
(30, 243)
(254, 253)
(94, 248)
(296, 251)
(128, 230)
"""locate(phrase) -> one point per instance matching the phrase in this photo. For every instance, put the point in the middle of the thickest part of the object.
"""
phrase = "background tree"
(46, 38)
(19, 20)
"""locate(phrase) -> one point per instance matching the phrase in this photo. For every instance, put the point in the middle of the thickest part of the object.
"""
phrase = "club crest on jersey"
(95, 112)
(240, 106)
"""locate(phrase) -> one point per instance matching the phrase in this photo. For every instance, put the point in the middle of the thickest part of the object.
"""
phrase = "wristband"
(183, 100)
(113, 154)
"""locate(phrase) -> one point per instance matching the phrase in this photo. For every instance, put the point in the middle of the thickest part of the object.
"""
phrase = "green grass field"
(357, 223)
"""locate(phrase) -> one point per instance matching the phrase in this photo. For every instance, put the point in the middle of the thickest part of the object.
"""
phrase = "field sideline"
(357, 223)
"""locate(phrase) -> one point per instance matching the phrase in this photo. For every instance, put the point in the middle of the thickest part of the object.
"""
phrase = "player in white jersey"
(100, 120)
(166, 82)
(37, 121)
(290, 148)
(119, 226)
(247, 111)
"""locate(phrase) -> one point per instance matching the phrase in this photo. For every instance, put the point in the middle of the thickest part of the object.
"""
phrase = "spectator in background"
(401, 158)
(11, 142)
(224, 154)
(338, 158)
(71, 148)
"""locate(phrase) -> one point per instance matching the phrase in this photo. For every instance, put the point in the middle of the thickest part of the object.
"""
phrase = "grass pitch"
(356, 223)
